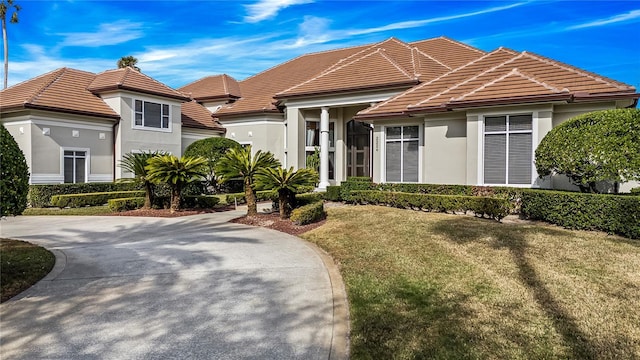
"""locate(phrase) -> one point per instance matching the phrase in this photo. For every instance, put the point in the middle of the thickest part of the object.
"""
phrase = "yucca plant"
(239, 163)
(136, 163)
(287, 183)
(176, 172)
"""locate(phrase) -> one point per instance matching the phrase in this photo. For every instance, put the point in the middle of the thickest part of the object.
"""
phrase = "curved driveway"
(194, 287)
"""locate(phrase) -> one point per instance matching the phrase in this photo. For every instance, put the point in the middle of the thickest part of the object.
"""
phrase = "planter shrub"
(308, 214)
(264, 195)
(91, 199)
(333, 193)
(124, 204)
(200, 201)
(308, 198)
(40, 195)
(611, 213)
(494, 208)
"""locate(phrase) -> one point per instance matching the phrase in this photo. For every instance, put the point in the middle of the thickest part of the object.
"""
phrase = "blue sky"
(181, 41)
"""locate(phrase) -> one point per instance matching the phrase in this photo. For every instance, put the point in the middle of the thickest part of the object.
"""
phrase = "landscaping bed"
(23, 264)
(273, 221)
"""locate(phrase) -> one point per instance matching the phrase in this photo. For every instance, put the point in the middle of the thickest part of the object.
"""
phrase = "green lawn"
(87, 210)
(428, 285)
(21, 265)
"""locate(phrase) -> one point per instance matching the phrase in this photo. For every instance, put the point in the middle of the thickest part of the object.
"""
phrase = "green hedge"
(493, 208)
(611, 213)
(333, 193)
(200, 201)
(40, 195)
(124, 204)
(309, 213)
(91, 199)
(264, 195)
(308, 198)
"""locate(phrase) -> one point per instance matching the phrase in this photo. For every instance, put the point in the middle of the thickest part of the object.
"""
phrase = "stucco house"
(430, 111)
(74, 126)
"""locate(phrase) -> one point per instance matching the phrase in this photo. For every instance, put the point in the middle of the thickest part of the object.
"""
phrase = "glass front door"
(358, 149)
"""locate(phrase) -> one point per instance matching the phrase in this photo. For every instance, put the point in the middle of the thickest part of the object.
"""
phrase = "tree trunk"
(148, 196)
(283, 201)
(250, 196)
(175, 198)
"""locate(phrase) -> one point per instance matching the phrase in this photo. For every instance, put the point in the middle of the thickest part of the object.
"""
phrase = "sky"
(178, 42)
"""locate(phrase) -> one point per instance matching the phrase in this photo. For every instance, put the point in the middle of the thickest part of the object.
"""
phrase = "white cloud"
(114, 33)
(419, 23)
(267, 9)
(313, 30)
(631, 15)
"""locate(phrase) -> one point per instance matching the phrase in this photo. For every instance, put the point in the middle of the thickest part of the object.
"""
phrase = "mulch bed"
(166, 213)
(273, 221)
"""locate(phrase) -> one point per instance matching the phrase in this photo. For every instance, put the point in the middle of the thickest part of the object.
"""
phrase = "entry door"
(358, 149)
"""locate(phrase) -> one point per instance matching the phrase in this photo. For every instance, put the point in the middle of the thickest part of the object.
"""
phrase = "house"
(74, 126)
(430, 111)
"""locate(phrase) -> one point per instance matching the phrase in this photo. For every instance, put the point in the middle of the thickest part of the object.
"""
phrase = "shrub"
(610, 213)
(355, 183)
(124, 204)
(200, 201)
(333, 193)
(635, 191)
(493, 208)
(308, 198)
(14, 176)
(212, 149)
(40, 195)
(308, 214)
(91, 199)
(264, 195)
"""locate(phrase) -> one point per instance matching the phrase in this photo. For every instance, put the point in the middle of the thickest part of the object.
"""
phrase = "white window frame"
(162, 115)
(534, 141)
(383, 152)
(332, 149)
(87, 163)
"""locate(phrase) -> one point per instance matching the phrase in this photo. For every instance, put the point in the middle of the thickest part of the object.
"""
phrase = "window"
(401, 152)
(313, 140)
(151, 115)
(508, 142)
(75, 166)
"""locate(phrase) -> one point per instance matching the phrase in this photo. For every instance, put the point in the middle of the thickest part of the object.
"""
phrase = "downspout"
(113, 135)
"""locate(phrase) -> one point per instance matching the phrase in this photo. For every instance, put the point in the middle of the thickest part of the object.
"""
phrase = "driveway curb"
(340, 330)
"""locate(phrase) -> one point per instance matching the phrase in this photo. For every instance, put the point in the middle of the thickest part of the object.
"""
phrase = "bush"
(493, 208)
(264, 195)
(212, 149)
(610, 213)
(14, 176)
(333, 193)
(635, 191)
(124, 204)
(308, 198)
(200, 201)
(91, 199)
(309, 213)
(40, 195)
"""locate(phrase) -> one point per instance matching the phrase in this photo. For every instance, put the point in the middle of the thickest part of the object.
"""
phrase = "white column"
(324, 149)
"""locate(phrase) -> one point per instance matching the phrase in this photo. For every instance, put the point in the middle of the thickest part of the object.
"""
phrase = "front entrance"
(358, 149)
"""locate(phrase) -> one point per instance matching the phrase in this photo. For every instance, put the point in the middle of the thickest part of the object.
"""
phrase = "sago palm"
(239, 163)
(287, 183)
(136, 163)
(176, 172)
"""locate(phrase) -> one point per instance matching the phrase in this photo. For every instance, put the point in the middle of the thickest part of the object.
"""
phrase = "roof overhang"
(387, 86)
(28, 106)
(142, 91)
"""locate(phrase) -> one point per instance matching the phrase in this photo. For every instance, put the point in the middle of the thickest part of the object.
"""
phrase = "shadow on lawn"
(514, 239)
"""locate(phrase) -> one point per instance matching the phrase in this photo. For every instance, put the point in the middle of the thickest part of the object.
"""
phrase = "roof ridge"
(546, 84)
(331, 67)
(224, 84)
(462, 44)
(466, 81)
(595, 77)
(434, 59)
(46, 85)
(514, 71)
(383, 52)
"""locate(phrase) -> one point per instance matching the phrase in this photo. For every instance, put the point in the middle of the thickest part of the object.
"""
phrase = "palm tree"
(176, 172)
(136, 163)
(128, 61)
(5, 6)
(238, 163)
(287, 183)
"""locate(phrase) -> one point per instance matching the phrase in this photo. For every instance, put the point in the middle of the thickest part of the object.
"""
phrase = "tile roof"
(197, 116)
(501, 77)
(63, 90)
(448, 51)
(213, 87)
(133, 80)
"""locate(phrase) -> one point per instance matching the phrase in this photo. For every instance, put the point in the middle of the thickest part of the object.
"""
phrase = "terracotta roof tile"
(133, 80)
(197, 116)
(63, 90)
(450, 52)
(213, 87)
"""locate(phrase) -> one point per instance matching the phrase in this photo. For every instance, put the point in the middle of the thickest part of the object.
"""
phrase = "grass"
(88, 210)
(426, 285)
(21, 265)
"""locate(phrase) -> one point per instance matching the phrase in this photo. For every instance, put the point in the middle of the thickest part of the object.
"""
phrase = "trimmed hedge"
(91, 199)
(611, 213)
(493, 208)
(200, 201)
(124, 204)
(40, 195)
(308, 214)
(308, 198)
(333, 193)
(264, 195)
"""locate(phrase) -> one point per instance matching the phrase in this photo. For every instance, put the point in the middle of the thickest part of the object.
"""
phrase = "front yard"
(427, 285)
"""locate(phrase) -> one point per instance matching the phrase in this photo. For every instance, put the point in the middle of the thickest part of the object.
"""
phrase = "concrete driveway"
(194, 287)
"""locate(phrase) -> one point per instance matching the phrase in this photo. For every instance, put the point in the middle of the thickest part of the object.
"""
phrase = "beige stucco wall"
(445, 149)
(22, 135)
(266, 133)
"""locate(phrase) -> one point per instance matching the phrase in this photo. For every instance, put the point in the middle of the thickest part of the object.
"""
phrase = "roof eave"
(226, 97)
(71, 111)
(606, 96)
(346, 90)
(506, 101)
(247, 112)
(133, 89)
